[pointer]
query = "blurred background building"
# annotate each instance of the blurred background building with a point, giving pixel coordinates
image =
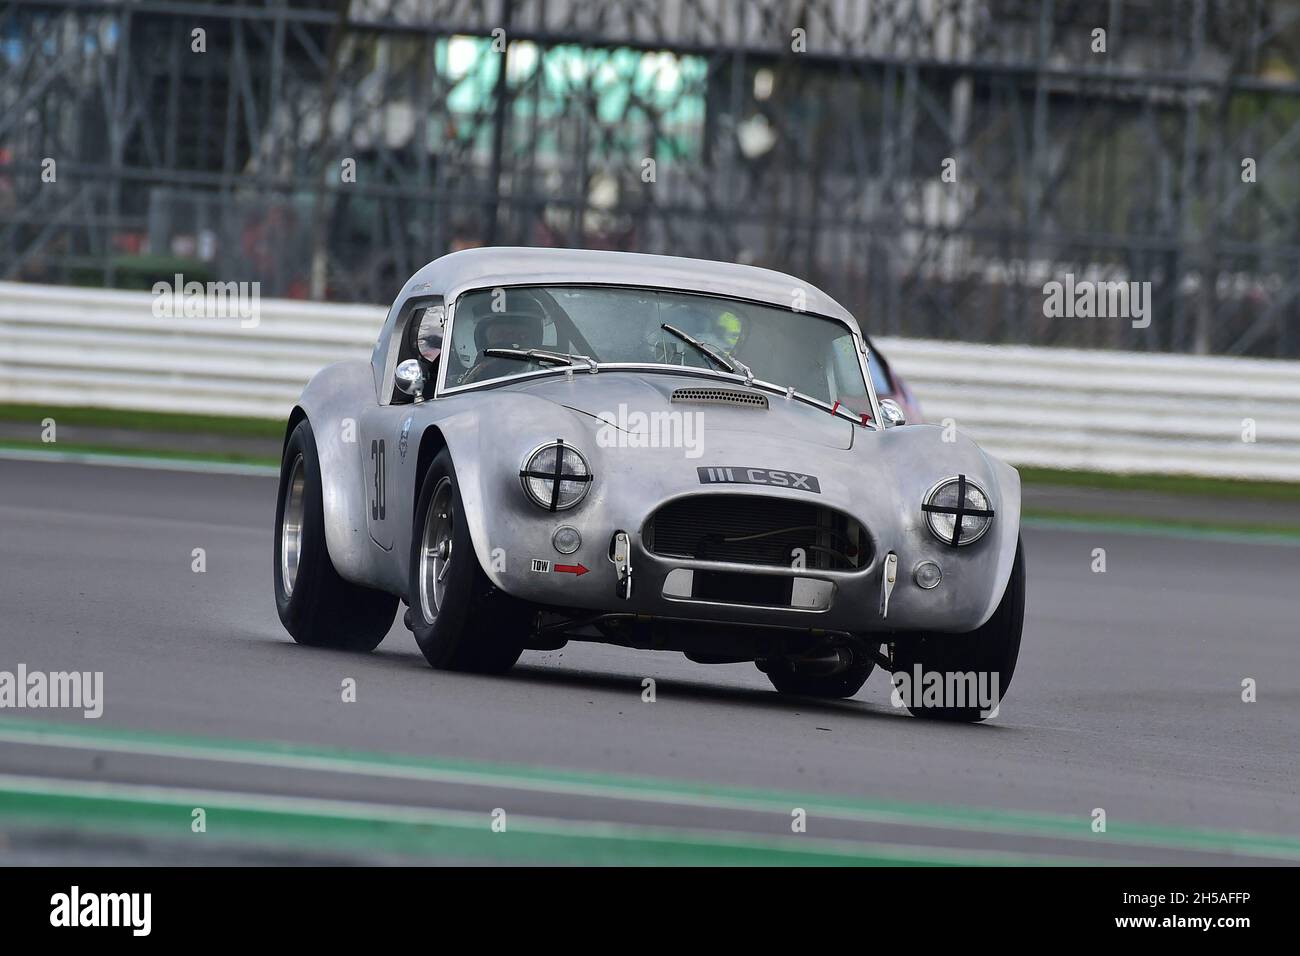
(804, 135)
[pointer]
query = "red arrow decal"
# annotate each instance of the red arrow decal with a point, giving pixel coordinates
(577, 569)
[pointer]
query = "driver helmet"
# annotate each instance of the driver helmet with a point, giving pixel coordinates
(519, 326)
(710, 323)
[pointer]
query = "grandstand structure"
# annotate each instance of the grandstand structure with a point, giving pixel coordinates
(931, 163)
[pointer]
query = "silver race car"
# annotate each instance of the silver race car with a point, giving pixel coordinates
(662, 453)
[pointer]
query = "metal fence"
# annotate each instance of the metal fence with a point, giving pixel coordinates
(1061, 408)
(328, 149)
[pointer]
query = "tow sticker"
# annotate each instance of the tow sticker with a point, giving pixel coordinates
(542, 566)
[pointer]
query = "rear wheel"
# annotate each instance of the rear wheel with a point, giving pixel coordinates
(460, 621)
(989, 653)
(316, 606)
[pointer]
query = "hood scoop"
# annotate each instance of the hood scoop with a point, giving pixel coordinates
(719, 396)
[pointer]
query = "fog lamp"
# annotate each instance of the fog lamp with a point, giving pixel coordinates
(566, 539)
(927, 575)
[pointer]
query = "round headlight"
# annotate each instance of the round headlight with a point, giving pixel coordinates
(555, 476)
(957, 511)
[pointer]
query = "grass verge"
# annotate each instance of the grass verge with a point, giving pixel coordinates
(1164, 484)
(1288, 533)
(118, 451)
(144, 421)
(163, 422)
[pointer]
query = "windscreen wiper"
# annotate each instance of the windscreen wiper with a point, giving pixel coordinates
(728, 362)
(542, 357)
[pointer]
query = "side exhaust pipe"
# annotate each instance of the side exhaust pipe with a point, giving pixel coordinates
(831, 661)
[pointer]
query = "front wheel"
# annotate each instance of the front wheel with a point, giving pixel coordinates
(963, 677)
(316, 606)
(460, 621)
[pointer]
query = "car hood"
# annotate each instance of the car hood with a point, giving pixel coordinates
(628, 401)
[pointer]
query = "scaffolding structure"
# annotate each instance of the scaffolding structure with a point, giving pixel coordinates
(931, 163)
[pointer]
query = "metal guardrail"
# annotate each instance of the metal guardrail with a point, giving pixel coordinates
(1061, 408)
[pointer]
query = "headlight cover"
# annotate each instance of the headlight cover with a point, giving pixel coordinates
(555, 476)
(957, 511)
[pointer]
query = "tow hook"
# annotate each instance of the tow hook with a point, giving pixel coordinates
(620, 552)
(888, 575)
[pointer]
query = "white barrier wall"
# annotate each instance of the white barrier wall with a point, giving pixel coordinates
(1060, 408)
(1112, 411)
(106, 348)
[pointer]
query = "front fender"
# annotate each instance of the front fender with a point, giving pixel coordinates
(487, 443)
(905, 463)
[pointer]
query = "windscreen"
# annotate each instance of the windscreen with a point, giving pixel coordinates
(814, 355)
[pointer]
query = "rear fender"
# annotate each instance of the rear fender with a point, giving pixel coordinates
(332, 403)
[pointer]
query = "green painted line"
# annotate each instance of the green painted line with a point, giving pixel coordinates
(447, 835)
(647, 789)
(1235, 534)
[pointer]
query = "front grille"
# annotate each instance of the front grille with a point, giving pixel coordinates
(719, 396)
(751, 529)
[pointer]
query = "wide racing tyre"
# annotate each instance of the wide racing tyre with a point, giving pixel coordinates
(318, 607)
(991, 649)
(460, 621)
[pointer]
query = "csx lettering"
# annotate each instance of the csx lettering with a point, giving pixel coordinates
(783, 478)
(776, 478)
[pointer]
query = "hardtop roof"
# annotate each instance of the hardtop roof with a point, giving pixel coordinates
(492, 266)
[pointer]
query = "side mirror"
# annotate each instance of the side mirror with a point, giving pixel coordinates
(890, 411)
(409, 378)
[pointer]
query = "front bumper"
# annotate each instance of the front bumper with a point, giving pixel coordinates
(745, 594)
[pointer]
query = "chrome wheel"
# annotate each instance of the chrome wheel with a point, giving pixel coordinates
(291, 525)
(435, 550)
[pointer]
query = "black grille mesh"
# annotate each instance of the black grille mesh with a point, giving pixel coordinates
(720, 396)
(749, 529)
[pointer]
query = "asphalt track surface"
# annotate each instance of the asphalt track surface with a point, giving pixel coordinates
(1127, 698)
